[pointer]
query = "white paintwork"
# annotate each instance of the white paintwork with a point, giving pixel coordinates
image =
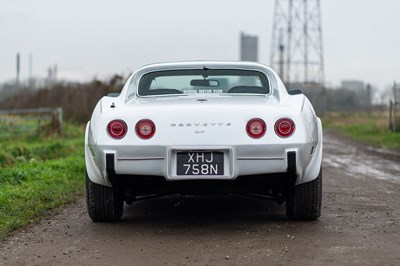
(226, 117)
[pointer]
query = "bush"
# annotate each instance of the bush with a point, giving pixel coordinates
(76, 100)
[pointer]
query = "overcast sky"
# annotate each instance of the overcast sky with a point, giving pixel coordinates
(97, 38)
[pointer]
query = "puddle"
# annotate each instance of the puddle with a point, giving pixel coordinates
(360, 163)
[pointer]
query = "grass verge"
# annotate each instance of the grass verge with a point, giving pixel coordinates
(38, 175)
(368, 128)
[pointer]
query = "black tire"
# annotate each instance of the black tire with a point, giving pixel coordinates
(104, 204)
(304, 201)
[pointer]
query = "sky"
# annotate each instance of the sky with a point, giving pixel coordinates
(96, 38)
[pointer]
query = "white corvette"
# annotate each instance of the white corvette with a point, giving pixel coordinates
(204, 127)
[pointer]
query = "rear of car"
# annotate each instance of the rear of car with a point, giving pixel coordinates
(203, 127)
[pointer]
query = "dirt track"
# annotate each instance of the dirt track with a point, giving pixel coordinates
(360, 224)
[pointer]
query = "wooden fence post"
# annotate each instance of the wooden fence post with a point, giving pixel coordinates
(391, 122)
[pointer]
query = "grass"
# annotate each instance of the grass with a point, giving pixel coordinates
(39, 174)
(39, 149)
(371, 129)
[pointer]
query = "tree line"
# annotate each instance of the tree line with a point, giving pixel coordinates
(76, 99)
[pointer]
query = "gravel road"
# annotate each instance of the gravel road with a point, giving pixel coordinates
(360, 225)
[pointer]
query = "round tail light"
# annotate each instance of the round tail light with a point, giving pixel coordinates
(284, 127)
(145, 129)
(117, 129)
(256, 128)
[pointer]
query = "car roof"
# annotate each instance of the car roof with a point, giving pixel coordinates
(204, 64)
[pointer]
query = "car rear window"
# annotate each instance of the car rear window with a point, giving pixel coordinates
(203, 81)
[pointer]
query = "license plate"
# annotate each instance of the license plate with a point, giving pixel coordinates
(200, 163)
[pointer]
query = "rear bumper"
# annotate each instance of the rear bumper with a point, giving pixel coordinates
(273, 186)
(106, 165)
(110, 166)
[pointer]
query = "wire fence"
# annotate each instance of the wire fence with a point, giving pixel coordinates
(30, 122)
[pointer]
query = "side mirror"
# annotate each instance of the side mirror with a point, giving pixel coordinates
(113, 94)
(295, 92)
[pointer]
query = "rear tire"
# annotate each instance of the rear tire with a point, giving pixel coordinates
(304, 201)
(104, 204)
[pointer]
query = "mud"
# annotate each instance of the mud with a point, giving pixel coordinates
(359, 224)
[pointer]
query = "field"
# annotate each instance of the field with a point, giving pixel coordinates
(369, 128)
(38, 174)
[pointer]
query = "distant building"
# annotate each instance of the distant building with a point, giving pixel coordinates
(248, 47)
(362, 93)
(52, 75)
(353, 85)
(396, 92)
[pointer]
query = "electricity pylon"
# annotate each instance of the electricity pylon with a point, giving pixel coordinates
(296, 45)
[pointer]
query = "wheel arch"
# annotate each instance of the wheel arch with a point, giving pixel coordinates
(314, 167)
(94, 173)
